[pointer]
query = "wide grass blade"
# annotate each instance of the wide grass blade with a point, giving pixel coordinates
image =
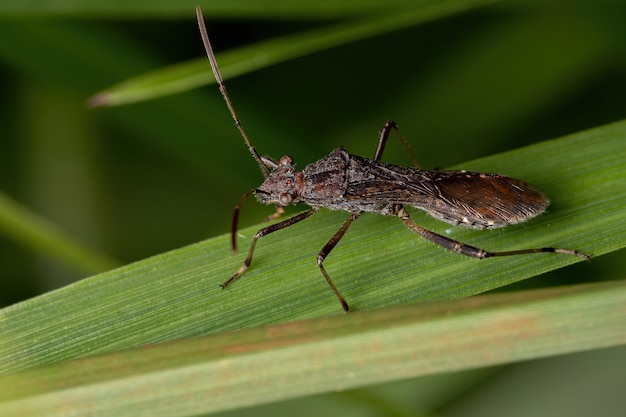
(378, 263)
(261, 365)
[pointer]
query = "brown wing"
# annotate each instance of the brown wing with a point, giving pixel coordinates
(481, 200)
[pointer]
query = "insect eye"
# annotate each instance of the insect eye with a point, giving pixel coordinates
(285, 160)
(284, 199)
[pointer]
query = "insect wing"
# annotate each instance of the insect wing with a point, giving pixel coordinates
(483, 201)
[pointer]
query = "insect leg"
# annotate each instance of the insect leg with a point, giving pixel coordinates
(266, 231)
(270, 164)
(382, 141)
(464, 249)
(326, 250)
(233, 230)
(280, 210)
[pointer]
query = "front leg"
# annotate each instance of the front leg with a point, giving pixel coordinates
(266, 231)
(270, 164)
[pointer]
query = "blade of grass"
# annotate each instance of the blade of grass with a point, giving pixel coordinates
(192, 74)
(256, 366)
(240, 8)
(32, 230)
(379, 263)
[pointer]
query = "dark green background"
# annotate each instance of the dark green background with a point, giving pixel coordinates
(142, 179)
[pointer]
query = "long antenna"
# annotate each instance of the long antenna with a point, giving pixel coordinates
(220, 83)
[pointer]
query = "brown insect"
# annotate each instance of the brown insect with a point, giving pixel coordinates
(355, 184)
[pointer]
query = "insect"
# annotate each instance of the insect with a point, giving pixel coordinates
(355, 184)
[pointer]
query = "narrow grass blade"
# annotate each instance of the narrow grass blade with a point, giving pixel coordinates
(33, 231)
(241, 8)
(185, 76)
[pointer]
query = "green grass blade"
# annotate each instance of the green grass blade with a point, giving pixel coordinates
(257, 366)
(32, 230)
(241, 8)
(378, 263)
(192, 74)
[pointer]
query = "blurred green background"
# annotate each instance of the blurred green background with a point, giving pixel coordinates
(132, 181)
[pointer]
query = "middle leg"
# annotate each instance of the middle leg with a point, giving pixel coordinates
(326, 250)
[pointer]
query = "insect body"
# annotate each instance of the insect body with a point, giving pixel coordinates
(355, 184)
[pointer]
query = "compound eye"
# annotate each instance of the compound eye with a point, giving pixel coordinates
(285, 160)
(284, 199)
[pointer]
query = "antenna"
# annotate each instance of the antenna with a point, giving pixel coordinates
(220, 82)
